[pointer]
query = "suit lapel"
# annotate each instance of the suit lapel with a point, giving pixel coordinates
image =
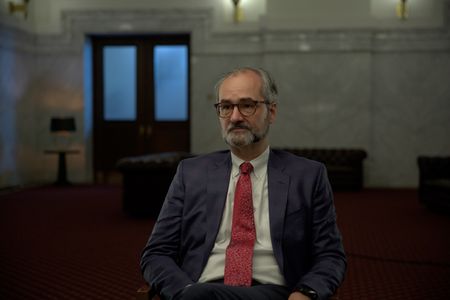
(217, 188)
(278, 183)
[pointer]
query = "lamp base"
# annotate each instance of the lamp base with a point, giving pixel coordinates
(62, 165)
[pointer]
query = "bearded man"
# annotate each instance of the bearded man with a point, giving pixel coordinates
(250, 222)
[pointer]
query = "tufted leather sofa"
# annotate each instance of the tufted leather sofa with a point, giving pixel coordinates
(434, 182)
(344, 166)
(146, 178)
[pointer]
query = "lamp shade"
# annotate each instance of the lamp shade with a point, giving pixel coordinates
(62, 124)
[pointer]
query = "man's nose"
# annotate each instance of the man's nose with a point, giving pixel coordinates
(236, 115)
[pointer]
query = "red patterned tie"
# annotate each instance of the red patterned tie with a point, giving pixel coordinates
(239, 253)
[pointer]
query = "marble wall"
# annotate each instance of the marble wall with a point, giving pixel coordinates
(17, 118)
(384, 91)
(410, 114)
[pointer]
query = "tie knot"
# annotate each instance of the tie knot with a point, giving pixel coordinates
(246, 167)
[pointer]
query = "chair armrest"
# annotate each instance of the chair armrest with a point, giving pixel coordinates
(145, 292)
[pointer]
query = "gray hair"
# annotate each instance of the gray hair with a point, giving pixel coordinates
(269, 89)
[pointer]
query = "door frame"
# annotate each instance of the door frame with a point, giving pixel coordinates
(145, 44)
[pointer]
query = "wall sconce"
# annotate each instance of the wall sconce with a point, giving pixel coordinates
(238, 14)
(402, 10)
(19, 7)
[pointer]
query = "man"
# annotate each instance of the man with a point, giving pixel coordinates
(250, 223)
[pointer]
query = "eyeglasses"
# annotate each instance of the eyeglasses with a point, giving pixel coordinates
(246, 107)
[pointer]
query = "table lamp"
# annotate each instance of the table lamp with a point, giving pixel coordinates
(62, 125)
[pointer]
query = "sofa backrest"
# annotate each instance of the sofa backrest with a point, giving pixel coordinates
(433, 167)
(331, 156)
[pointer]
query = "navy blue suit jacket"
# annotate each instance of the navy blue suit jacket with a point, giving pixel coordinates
(306, 241)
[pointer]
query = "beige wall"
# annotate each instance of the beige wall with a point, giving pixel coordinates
(384, 90)
(45, 16)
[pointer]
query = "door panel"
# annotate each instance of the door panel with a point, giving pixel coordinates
(141, 97)
(119, 83)
(171, 74)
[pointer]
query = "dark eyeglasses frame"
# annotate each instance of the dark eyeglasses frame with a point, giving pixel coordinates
(233, 105)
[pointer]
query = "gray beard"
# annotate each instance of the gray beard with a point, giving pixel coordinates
(241, 140)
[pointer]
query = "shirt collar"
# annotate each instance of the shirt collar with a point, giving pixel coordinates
(259, 164)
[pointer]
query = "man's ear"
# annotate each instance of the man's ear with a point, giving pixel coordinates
(273, 109)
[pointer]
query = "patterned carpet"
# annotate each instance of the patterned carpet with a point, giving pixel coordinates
(69, 243)
(396, 248)
(75, 243)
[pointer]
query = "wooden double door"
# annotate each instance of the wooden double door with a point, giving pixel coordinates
(141, 97)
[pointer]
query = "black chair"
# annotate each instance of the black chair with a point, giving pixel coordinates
(434, 182)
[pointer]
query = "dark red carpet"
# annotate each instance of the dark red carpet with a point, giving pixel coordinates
(69, 243)
(396, 248)
(75, 243)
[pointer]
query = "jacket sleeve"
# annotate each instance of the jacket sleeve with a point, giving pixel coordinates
(160, 257)
(328, 257)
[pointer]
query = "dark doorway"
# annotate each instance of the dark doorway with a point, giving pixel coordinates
(141, 97)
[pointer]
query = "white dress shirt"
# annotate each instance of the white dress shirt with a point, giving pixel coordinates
(265, 267)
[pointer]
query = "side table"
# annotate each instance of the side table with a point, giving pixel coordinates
(62, 169)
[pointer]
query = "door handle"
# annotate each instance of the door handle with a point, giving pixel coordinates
(145, 130)
(141, 130)
(149, 130)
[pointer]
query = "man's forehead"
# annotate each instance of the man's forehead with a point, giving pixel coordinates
(241, 81)
(249, 73)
